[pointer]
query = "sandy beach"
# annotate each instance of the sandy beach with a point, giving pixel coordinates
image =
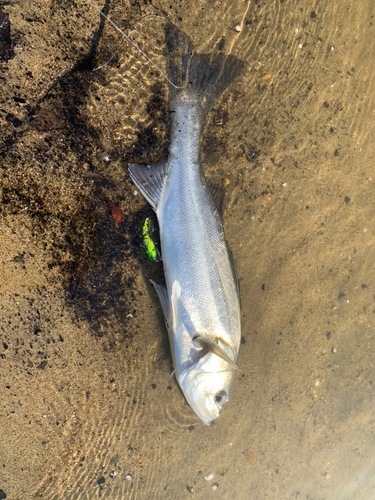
(89, 407)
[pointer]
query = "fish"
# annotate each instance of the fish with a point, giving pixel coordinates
(201, 300)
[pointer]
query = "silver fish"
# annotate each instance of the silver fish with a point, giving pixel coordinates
(201, 303)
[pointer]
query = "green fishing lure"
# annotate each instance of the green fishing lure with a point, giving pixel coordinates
(149, 245)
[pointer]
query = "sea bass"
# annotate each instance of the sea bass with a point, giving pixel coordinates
(201, 302)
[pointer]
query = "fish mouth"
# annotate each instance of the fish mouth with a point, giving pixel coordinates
(206, 401)
(207, 410)
(220, 399)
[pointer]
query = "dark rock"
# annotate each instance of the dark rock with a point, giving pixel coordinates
(12, 119)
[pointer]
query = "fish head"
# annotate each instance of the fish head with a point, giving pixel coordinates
(205, 385)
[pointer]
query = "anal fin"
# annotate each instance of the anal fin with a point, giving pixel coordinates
(149, 180)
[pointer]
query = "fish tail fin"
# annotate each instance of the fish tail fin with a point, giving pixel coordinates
(202, 75)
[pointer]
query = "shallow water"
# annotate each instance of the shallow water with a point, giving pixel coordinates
(89, 408)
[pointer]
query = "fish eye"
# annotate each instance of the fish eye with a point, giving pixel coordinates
(220, 396)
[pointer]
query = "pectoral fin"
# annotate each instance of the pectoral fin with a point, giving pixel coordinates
(175, 297)
(209, 343)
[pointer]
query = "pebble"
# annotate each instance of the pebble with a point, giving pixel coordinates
(209, 476)
(334, 350)
(300, 45)
(106, 159)
(317, 383)
(237, 28)
(113, 473)
(128, 477)
(135, 193)
(252, 217)
(225, 181)
(215, 486)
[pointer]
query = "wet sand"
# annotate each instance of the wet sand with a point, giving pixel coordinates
(88, 405)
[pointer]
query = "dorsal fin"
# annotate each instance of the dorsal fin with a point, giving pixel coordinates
(217, 196)
(234, 269)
